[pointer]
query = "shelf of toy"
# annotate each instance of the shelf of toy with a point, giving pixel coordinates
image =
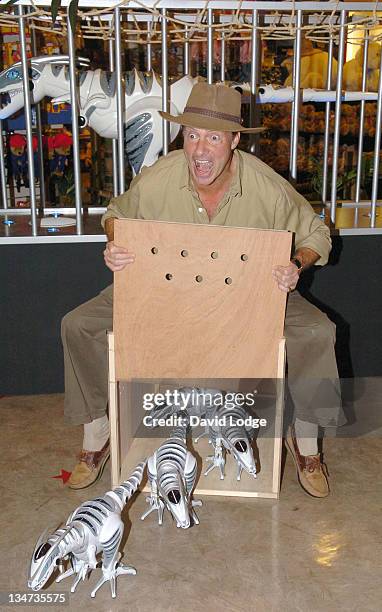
(18, 123)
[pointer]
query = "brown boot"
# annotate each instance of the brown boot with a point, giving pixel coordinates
(312, 474)
(90, 467)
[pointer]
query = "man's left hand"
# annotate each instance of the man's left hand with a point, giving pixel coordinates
(286, 277)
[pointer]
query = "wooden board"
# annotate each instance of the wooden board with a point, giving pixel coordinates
(199, 301)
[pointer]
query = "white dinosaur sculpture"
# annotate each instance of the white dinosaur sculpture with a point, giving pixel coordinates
(49, 76)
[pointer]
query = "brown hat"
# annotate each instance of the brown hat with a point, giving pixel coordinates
(212, 107)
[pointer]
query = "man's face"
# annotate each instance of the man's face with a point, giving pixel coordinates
(208, 153)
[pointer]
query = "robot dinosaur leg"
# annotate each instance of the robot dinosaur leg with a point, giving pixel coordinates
(155, 503)
(80, 568)
(217, 459)
(111, 569)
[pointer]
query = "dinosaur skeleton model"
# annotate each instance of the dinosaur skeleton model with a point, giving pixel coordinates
(226, 433)
(172, 474)
(94, 527)
(97, 100)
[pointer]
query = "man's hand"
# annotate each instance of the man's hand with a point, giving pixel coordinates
(286, 276)
(116, 258)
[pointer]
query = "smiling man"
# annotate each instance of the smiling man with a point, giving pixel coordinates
(211, 181)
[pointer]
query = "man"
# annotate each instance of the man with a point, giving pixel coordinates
(211, 181)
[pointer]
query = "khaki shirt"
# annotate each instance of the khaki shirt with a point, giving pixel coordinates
(258, 197)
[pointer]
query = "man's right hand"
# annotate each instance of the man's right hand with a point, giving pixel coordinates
(116, 258)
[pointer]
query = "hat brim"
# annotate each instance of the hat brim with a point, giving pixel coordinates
(209, 123)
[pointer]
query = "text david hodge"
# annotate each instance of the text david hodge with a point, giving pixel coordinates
(196, 421)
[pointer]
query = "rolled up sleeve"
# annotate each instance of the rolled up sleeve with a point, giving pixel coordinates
(295, 214)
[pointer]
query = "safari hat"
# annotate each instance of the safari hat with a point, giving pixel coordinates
(212, 107)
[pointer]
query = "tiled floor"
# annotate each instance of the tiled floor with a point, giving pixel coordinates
(295, 554)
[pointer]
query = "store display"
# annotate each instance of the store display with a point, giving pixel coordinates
(94, 527)
(352, 71)
(98, 102)
(314, 67)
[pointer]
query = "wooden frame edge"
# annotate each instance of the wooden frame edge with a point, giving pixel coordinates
(113, 415)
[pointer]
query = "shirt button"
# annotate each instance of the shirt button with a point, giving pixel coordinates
(200, 209)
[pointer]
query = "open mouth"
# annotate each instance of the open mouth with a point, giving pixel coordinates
(6, 96)
(203, 167)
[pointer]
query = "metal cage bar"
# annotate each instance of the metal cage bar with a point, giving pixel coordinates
(114, 141)
(75, 129)
(28, 120)
(186, 52)
(210, 46)
(361, 119)
(120, 100)
(327, 125)
(40, 150)
(337, 119)
(296, 98)
(2, 170)
(165, 87)
(377, 147)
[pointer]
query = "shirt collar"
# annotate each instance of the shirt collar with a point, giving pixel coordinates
(235, 189)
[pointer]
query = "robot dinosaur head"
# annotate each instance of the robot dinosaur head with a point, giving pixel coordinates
(39, 70)
(174, 495)
(241, 449)
(44, 560)
(12, 89)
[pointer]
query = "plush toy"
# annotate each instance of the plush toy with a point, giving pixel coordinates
(352, 75)
(60, 146)
(17, 168)
(314, 67)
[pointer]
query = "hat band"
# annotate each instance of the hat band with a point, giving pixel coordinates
(210, 113)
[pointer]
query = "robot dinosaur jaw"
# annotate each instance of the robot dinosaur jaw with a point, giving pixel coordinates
(44, 559)
(12, 87)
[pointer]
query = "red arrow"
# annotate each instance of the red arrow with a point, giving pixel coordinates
(64, 476)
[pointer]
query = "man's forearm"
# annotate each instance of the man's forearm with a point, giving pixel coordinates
(109, 229)
(306, 256)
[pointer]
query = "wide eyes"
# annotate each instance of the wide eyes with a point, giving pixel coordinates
(12, 74)
(212, 138)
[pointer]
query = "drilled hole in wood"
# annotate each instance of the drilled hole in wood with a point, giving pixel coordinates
(184, 253)
(168, 276)
(199, 278)
(244, 257)
(214, 254)
(154, 250)
(228, 280)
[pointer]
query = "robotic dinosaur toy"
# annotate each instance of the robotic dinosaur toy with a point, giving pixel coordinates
(94, 527)
(232, 437)
(172, 472)
(97, 99)
(229, 437)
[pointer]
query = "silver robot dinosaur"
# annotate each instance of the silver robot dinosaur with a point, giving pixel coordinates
(94, 527)
(97, 99)
(229, 436)
(172, 472)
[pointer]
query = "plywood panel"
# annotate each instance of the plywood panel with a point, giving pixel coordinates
(199, 301)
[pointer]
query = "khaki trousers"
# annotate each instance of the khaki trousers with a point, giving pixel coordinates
(310, 338)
